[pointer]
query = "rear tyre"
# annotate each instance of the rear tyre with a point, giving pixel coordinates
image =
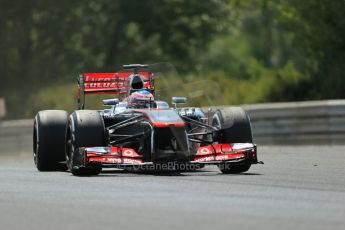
(234, 126)
(49, 140)
(85, 129)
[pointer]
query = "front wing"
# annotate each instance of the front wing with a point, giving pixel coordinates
(116, 157)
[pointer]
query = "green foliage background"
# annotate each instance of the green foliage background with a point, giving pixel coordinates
(234, 51)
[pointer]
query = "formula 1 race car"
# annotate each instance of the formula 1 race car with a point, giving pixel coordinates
(140, 132)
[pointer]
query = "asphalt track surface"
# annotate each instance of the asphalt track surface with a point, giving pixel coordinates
(299, 187)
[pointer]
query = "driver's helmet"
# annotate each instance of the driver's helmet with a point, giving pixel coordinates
(140, 99)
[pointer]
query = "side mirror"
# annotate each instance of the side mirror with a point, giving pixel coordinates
(178, 100)
(111, 102)
(162, 105)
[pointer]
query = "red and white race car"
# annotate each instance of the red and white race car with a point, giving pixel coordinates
(139, 132)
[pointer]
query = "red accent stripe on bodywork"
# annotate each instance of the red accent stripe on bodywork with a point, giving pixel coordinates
(161, 124)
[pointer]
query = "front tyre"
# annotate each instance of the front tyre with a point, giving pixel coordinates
(85, 129)
(234, 126)
(227, 168)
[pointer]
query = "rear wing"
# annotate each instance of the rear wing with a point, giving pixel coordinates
(117, 83)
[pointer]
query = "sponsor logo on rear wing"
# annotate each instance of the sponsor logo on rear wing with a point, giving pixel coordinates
(113, 82)
(107, 83)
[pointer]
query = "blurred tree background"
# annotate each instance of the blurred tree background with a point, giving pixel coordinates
(254, 50)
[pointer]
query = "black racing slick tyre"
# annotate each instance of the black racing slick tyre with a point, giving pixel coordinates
(49, 140)
(234, 126)
(85, 129)
(227, 168)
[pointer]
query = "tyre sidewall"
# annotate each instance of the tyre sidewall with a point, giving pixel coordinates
(86, 129)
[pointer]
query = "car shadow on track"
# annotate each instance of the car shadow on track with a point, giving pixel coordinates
(203, 172)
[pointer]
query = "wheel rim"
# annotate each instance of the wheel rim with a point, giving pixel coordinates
(69, 147)
(217, 124)
(216, 121)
